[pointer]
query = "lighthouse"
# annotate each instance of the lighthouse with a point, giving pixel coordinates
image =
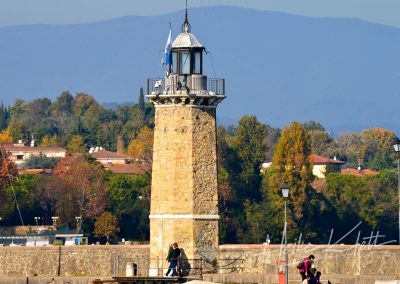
(184, 189)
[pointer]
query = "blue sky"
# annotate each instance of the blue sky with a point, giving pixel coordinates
(16, 12)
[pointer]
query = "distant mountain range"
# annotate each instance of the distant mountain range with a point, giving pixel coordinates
(343, 73)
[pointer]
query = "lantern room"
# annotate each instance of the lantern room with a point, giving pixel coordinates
(184, 76)
(186, 53)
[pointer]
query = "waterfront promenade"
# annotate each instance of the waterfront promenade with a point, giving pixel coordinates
(357, 264)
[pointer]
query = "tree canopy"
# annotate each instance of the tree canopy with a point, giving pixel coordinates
(250, 201)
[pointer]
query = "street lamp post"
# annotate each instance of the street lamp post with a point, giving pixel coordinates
(396, 147)
(285, 193)
(54, 218)
(78, 223)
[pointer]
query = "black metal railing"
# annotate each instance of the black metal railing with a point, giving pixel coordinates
(191, 84)
(200, 266)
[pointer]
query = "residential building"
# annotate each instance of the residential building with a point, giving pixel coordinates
(108, 158)
(323, 165)
(19, 152)
(118, 163)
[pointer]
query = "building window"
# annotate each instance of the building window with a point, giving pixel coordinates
(185, 61)
(174, 62)
(197, 62)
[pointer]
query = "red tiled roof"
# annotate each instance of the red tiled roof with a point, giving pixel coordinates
(128, 168)
(35, 171)
(358, 173)
(20, 147)
(104, 154)
(320, 160)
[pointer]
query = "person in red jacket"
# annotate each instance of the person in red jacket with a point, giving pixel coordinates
(305, 269)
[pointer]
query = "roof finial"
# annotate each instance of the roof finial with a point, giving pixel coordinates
(186, 25)
(186, 12)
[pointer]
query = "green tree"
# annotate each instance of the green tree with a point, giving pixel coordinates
(37, 110)
(108, 134)
(63, 116)
(349, 149)
(141, 100)
(40, 162)
(129, 195)
(250, 146)
(5, 115)
(76, 144)
(21, 200)
(106, 226)
(321, 143)
(228, 170)
(17, 109)
(48, 193)
(370, 200)
(313, 126)
(63, 105)
(18, 130)
(270, 141)
(49, 141)
(377, 148)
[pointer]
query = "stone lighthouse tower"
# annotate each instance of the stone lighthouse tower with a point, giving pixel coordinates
(184, 195)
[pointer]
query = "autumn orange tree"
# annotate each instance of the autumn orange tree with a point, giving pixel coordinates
(8, 170)
(82, 187)
(8, 174)
(141, 148)
(377, 148)
(291, 164)
(5, 136)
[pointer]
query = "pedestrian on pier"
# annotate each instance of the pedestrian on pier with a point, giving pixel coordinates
(173, 259)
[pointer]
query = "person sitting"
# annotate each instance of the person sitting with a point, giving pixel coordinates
(316, 278)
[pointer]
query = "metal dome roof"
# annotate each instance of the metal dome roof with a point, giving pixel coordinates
(186, 40)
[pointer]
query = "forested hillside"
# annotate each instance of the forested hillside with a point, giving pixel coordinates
(342, 72)
(250, 202)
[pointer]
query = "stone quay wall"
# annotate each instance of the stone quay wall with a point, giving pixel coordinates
(85, 260)
(358, 264)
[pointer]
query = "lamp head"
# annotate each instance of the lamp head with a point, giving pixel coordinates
(396, 145)
(285, 190)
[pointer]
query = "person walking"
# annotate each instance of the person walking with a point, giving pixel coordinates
(173, 261)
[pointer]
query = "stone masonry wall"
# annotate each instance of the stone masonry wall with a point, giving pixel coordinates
(184, 194)
(90, 260)
(340, 263)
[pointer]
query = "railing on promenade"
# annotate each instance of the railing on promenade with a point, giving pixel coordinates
(185, 267)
